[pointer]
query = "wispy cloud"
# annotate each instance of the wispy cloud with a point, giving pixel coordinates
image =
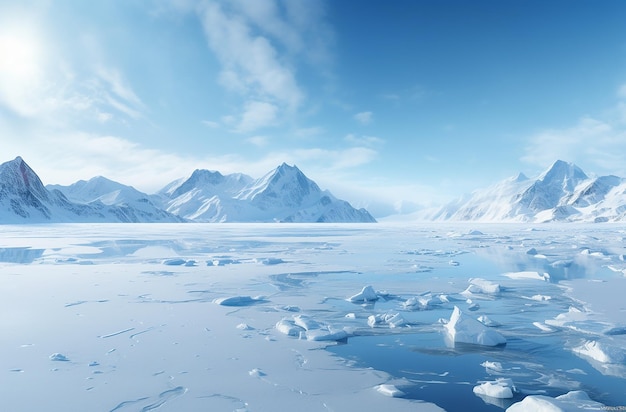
(259, 141)
(256, 115)
(364, 117)
(363, 140)
(257, 44)
(591, 142)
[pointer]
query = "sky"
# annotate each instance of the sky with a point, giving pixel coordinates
(391, 105)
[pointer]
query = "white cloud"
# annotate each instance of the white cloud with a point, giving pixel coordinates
(256, 115)
(251, 64)
(309, 131)
(118, 85)
(259, 44)
(594, 143)
(364, 117)
(258, 141)
(211, 124)
(363, 140)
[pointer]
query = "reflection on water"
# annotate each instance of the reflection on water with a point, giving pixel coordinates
(20, 254)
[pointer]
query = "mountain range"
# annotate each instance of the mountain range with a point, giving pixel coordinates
(563, 192)
(282, 195)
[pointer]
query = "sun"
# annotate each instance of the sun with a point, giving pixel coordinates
(20, 54)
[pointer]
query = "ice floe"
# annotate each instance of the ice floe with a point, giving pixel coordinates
(466, 330)
(527, 275)
(393, 320)
(367, 294)
(492, 366)
(422, 302)
(239, 300)
(59, 357)
(390, 390)
(570, 402)
(501, 388)
(482, 286)
(600, 351)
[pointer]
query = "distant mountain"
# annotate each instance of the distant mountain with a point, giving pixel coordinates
(283, 195)
(562, 193)
(24, 199)
(135, 206)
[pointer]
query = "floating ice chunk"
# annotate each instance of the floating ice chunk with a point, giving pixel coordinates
(420, 302)
(58, 357)
(367, 294)
(288, 327)
(541, 298)
(492, 366)
(478, 285)
(350, 315)
(326, 333)
(453, 263)
(305, 322)
(244, 326)
(463, 329)
(543, 327)
(531, 251)
(527, 275)
(472, 305)
(600, 351)
(390, 390)
(571, 401)
(257, 373)
(393, 320)
(239, 300)
(501, 388)
(485, 320)
(475, 233)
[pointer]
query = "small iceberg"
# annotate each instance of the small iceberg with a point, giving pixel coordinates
(466, 330)
(393, 320)
(367, 294)
(239, 300)
(501, 388)
(482, 286)
(600, 352)
(58, 357)
(571, 401)
(390, 390)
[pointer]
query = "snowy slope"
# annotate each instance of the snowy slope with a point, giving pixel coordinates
(24, 199)
(136, 205)
(283, 195)
(562, 193)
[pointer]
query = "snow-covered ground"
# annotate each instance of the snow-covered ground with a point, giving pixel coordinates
(311, 317)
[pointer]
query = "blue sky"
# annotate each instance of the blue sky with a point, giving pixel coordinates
(389, 104)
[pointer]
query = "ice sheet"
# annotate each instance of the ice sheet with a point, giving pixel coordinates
(269, 320)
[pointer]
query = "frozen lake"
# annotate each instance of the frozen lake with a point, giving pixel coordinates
(258, 317)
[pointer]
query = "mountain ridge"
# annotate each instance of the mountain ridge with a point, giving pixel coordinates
(563, 192)
(282, 195)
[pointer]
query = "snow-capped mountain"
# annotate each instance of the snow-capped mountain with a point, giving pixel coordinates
(283, 195)
(562, 193)
(24, 199)
(136, 205)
